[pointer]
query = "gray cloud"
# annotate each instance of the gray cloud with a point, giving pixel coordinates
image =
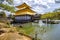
(37, 5)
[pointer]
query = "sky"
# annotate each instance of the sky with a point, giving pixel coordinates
(40, 6)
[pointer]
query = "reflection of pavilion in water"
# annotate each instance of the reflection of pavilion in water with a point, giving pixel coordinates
(25, 14)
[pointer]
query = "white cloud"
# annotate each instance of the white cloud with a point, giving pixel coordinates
(39, 4)
(51, 1)
(30, 2)
(17, 2)
(38, 9)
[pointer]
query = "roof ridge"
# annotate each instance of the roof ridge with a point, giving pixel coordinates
(23, 5)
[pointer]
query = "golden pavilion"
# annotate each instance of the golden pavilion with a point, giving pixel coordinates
(24, 9)
(25, 14)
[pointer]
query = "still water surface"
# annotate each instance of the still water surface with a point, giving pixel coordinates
(47, 31)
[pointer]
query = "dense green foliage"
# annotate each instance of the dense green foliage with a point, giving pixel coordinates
(2, 14)
(55, 15)
(7, 7)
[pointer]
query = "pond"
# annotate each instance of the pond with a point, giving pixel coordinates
(47, 31)
(43, 31)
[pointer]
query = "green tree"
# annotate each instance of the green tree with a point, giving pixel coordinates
(2, 14)
(51, 15)
(11, 16)
(7, 7)
(47, 15)
(55, 15)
